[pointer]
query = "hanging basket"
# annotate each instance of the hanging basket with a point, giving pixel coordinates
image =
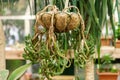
(74, 19)
(43, 17)
(62, 20)
(44, 47)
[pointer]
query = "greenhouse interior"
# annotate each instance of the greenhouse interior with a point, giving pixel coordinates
(59, 39)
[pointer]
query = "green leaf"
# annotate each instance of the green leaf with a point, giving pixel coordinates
(118, 9)
(19, 72)
(94, 12)
(104, 11)
(4, 74)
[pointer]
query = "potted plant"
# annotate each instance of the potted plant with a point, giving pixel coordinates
(118, 37)
(107, 70)
(106, 37)
(106, 41)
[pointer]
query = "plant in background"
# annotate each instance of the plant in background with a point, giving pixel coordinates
(107, 65)
(94, 13)
(107, 70)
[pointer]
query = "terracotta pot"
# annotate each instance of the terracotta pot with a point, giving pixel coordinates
(106, 41)
(107, 75)
(117, 44)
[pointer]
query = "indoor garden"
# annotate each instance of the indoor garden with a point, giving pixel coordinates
(59, 39)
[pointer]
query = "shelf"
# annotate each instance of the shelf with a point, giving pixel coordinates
(63, 77)
(15, 53)
(114, 52)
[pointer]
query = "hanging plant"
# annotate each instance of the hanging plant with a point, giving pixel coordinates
(44, 47)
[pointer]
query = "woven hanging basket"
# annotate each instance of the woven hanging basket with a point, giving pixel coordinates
(62, 21)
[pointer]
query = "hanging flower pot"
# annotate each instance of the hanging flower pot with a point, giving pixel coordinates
(65, 21)
(74, 22)
(74, 19)
(62, 20)
(44, 18)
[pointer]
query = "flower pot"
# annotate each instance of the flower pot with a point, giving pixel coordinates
(117, 44)
(107, 75)
(106, 41)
